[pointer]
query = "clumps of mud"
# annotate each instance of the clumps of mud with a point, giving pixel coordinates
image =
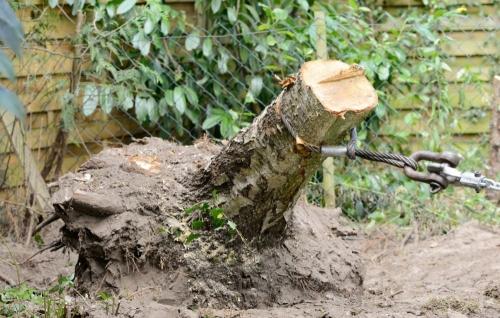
(493, 291)
(444, 304)
(124, 214)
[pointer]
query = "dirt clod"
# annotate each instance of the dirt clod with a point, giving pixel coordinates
(465, 306)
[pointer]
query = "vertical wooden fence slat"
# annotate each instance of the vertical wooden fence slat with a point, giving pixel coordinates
(495, 137)
(328, 166)
(16, 135)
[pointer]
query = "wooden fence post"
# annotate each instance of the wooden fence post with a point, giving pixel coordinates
(328, 167)
(32, 175)
(495, 137)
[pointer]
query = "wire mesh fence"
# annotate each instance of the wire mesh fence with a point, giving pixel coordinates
(212, 80)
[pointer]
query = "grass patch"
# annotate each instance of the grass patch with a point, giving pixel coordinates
(23, 300)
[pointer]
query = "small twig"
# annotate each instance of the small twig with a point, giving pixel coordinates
(45, 222)
(54, 246)
(117, 308)
(394, 294)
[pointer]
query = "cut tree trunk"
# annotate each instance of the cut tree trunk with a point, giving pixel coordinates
(260, 172)
(125, 209)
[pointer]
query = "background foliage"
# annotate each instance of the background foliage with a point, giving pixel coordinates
(184, 79)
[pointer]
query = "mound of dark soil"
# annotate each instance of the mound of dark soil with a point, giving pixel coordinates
(134, 237)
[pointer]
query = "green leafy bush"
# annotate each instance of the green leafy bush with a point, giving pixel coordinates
(215, 76)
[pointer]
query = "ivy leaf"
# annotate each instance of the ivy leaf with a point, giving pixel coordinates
(215, 4)
(152, 109)
(169, 97)
(192, 41)
(142, 43)
(179, 99)
(256, 86)
(164, 26)
(53, 3)
(125, 6)
(227, 127)
(271, 41)
(141, 109)
(90, 99)
(191, 95)
(194, 115)
(211, 121)
(162, 107)
(232, 15)
(106, 99)
(11, 103)
(111, 10)
(383, 72)
(222, 62)
(280, 14)
(148, 26)
(128, 101)
(207, 47)
(304, 4)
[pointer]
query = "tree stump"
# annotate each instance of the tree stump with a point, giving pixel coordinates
(218, 226)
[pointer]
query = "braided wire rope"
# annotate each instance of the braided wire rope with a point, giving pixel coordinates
(396, 160)
(393, 159)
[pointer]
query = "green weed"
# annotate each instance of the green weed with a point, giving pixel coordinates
(207, 216)
(23, 300)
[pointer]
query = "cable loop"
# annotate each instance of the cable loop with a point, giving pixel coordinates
(392, 159)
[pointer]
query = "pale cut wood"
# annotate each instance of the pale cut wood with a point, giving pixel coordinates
(342, 96)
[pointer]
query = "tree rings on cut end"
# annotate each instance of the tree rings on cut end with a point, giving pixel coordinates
(339, 87)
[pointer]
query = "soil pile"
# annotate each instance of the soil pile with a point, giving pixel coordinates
(137, 241)
(135, 234)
